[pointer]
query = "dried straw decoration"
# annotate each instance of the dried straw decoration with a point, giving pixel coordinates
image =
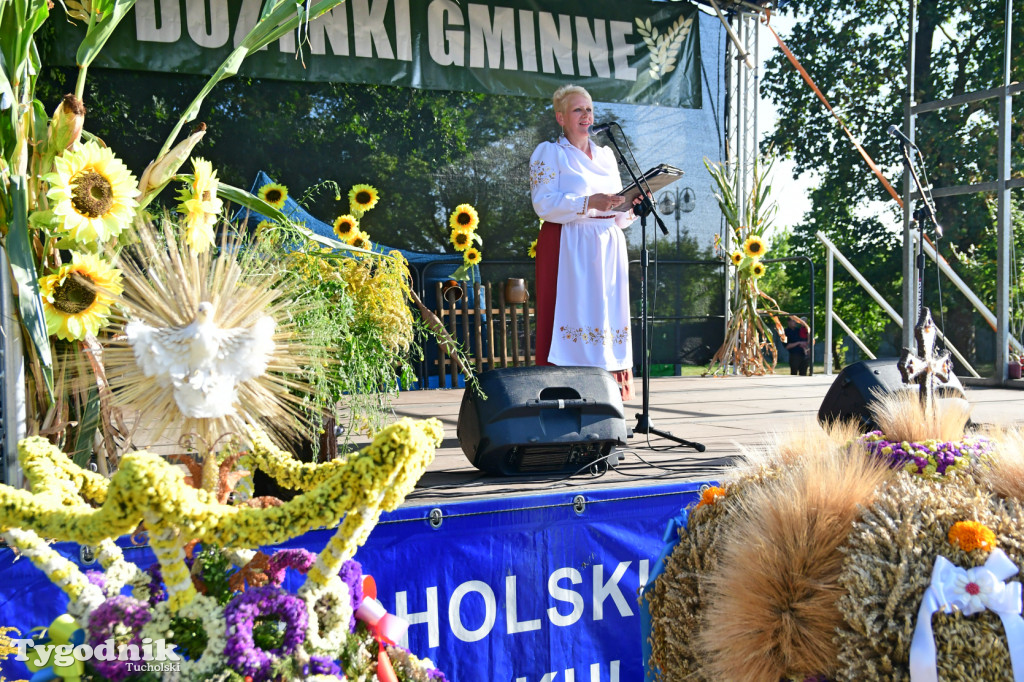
(890, 554)
(685, 603)
(771, 606)
(677, 601)
(816, 559)
(164, 283)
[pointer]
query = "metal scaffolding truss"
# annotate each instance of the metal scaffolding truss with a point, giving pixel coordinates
(742, 22)
(1002, 186)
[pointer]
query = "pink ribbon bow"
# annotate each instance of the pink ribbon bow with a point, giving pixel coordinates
(386, 628)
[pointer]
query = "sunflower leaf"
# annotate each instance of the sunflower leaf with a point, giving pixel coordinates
(461, 273)
(23, 267)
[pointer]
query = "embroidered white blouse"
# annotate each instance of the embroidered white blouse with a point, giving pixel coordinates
(592, 326)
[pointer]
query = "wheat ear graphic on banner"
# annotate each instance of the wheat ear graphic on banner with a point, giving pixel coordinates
(664, 47)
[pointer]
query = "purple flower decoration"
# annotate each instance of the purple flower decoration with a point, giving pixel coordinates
(123, 610)
(157, 593)
(352, 574)
(917, 457)
(299, 559)
(321, 665)
(97, 578)
(241, 615)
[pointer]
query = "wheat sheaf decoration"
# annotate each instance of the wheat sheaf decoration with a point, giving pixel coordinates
(664, 47)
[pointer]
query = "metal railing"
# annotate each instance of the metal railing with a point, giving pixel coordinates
(832, 254)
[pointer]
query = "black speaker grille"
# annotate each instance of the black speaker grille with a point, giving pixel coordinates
(555, 457)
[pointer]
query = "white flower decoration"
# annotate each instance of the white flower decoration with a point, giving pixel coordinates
(974, 588)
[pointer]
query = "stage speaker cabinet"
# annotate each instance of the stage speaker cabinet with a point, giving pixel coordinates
(855, 388)
(541, 420)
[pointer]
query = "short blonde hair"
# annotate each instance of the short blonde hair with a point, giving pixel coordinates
(565, 92)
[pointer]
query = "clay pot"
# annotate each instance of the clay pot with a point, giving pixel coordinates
(452, 291)
(515, 290)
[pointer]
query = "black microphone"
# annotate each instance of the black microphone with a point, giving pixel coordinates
(601, 128)
(898, 134)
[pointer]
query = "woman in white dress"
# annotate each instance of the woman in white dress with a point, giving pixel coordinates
(582, 286)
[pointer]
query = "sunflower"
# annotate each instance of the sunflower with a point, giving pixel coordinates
(200, 204)
(361, 198)
(77, 298)
(533, 249)
(264, 225)
(92, 193)
(464, 217)
(754, 247)
(471, 256)
(274, 194)
(736, 256)
(346, 226)
(757, 269)
(461, 239)
(361, 241)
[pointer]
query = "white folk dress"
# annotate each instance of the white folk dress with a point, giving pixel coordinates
(591, 323)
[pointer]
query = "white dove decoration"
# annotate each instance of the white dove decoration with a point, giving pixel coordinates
(201, 362)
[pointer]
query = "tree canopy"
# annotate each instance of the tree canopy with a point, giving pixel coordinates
(856, 52)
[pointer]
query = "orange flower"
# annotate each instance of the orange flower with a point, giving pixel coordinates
(971, 535)
(710, 495)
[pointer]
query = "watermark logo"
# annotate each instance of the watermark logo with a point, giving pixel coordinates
(153, 655)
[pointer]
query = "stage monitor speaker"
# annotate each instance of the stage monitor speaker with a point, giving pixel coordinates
(541, 419)
(855, 387)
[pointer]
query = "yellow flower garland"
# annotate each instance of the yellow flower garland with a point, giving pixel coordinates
(146, 488)
(39, 458)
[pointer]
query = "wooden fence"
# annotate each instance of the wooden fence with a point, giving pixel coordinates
(492, 331)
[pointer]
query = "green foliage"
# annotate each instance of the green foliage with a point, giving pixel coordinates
(856, 54)
(189, 635)
(355, 311)
(214, 572)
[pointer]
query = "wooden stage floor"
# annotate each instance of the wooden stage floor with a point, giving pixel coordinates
(725, 414)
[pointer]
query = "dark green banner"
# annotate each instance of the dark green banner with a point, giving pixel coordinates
(634, 52)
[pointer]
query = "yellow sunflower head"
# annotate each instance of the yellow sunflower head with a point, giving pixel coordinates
(461, 239)
(200, 205)
(361, 241)
(92, 193)
(274, 194)
(754, 246)
(361, 198)
(471, 256)
(757, 269)
(464, 217)
(264, 225)
(533, 249)
(77, 298)
(736, 256)
(346, 226)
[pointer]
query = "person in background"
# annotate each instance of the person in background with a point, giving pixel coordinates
(581, 267)
(798, 346)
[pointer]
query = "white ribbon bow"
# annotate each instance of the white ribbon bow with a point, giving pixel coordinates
(970, 590)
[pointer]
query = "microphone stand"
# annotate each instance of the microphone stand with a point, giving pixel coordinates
(926, 211)
(645, 207)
